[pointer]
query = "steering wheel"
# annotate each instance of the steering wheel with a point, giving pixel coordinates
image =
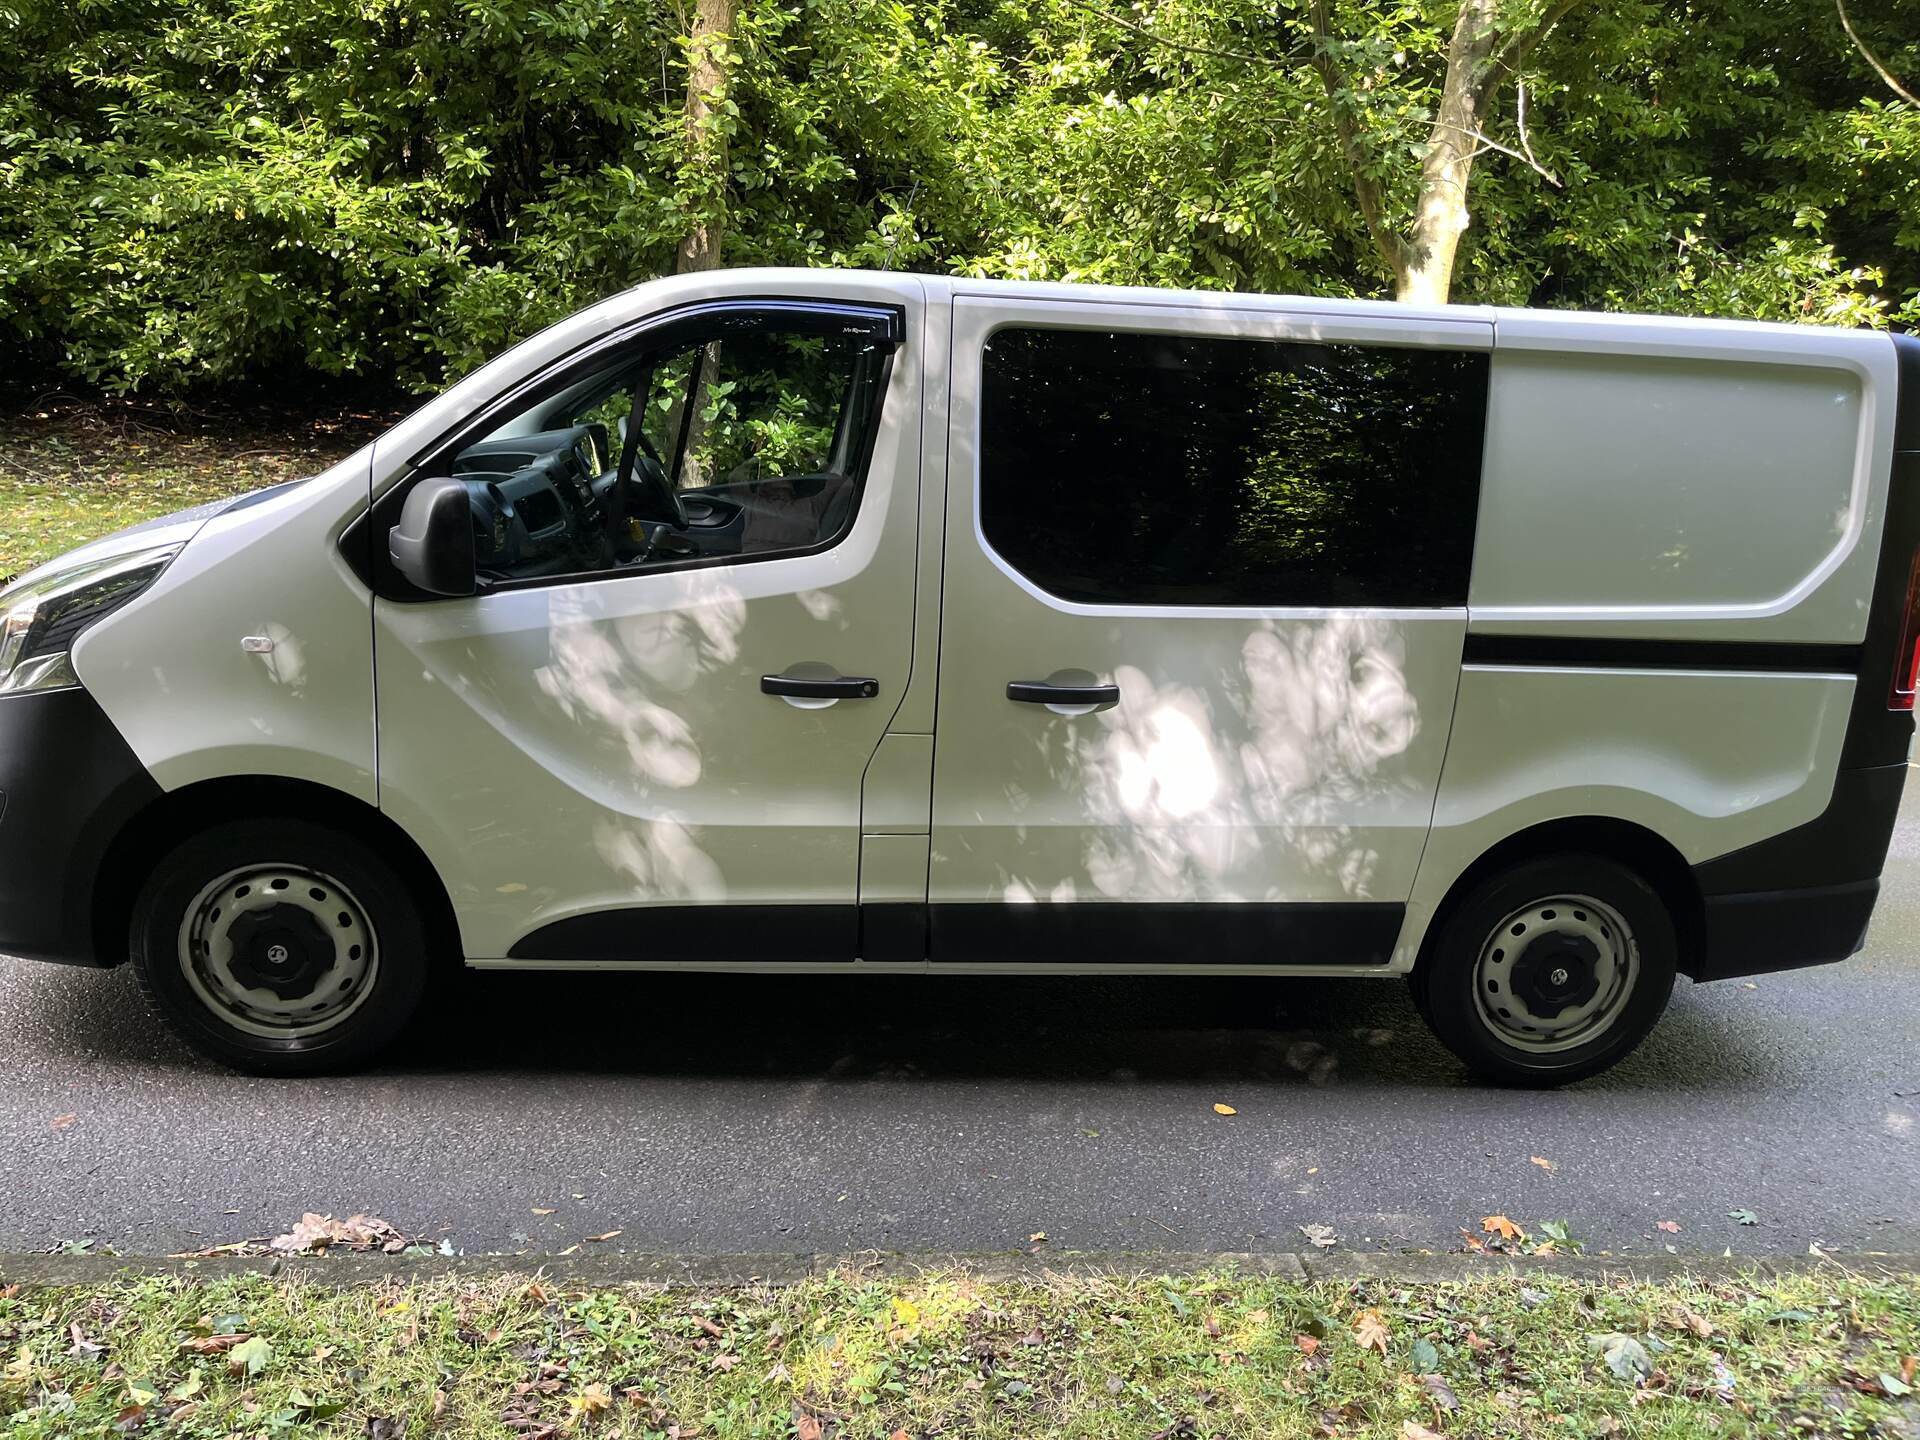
(651, 471)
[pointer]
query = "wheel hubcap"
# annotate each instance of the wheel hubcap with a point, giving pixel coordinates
(278, 950)
(1556, 973)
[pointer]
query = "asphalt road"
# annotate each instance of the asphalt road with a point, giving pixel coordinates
(749, 1115)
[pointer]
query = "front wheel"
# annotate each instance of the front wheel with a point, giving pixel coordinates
(280, 947)
(1550, 971)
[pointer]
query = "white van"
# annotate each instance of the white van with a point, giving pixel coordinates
(803, 620)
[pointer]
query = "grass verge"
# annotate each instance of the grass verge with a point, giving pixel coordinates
(948, 1353)
(72, 470)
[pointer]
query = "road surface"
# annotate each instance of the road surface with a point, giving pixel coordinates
(747, 1115)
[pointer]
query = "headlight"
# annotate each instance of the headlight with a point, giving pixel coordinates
(42, 616)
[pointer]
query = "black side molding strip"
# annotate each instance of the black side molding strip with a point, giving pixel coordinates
(1351, 932)
(1600, 653)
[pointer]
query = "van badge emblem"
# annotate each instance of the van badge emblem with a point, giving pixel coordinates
(257, 644)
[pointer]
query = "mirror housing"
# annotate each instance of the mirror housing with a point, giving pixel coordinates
(432, 544)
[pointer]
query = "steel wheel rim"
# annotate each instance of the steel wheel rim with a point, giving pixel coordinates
(1518, 984)
(278, 951)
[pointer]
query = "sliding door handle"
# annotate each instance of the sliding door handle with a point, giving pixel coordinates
(1038, 692)
(840, 687)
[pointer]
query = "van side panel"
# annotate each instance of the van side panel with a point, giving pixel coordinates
(1685, 604)
(1689, 479)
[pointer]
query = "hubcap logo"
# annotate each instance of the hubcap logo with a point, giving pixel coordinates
(1559, 976)
(277, 954)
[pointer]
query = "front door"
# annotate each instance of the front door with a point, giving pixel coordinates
(1203, 610)
(644, 740)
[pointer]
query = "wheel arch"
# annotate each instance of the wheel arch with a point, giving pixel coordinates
(1642, 850)
(137, 849)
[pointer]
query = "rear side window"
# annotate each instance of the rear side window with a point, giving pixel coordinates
(1138, 469)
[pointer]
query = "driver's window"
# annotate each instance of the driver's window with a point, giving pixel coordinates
(750, 407)
(738, 444)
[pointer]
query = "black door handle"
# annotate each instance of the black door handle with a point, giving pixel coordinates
(1038, 692)
(841, 687)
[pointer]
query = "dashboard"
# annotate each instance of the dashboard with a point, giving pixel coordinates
(539, 501)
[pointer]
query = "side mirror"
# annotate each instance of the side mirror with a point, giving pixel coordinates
(432, 545)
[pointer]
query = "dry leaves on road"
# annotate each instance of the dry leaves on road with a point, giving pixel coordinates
(316, 1234)
(1220, 1109)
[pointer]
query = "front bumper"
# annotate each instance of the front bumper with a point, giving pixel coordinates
(68, 786)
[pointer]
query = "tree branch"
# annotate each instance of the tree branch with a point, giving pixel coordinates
(1366, 190)
(1513, 53)
(1157, 38)
(1872, 59)
(1487, 142)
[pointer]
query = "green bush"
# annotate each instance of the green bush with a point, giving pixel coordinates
(202, 192)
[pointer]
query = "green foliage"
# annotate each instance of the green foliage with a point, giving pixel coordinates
(195, 192)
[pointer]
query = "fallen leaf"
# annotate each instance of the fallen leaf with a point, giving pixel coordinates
(250, 1356)
(1501, 1226)
(1442, 1393)
(590, 1401)
(1543, 1164)
(61, 1122)
(1370, 1329)
(1414, 1430)
(1672, 1227)
(724, 1363)
(1309, 1344)
(1323, 1236)
(1745, 1217)
(611, 1234)
(1038, 1237)
(807, 1428)
(1220, 1109)
(900, 1434)
(1625, 1356)
(1698, 1324)
(542, 1210)
(211, 1344)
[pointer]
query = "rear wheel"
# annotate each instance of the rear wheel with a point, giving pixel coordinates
(1549, 971)
(281, 947)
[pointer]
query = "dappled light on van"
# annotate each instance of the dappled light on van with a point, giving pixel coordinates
(1243, 788)
(615, 680)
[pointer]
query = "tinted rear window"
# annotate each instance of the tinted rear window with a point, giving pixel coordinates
(1142, 469)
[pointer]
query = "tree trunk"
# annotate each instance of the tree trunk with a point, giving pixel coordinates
(706, 156)
(1440, 216)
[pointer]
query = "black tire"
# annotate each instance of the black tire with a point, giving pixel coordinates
(1444, 983)
(391, 981)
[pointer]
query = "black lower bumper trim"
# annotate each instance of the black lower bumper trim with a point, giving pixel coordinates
(1768, 930)
(71, 785)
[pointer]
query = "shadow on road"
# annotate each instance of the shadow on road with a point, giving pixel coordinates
(1315, 1031)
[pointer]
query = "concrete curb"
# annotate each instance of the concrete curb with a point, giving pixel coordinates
(720, 1271)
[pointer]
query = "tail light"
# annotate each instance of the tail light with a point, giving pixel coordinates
(1906, 663)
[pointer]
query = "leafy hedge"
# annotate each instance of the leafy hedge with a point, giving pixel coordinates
(208, 191)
